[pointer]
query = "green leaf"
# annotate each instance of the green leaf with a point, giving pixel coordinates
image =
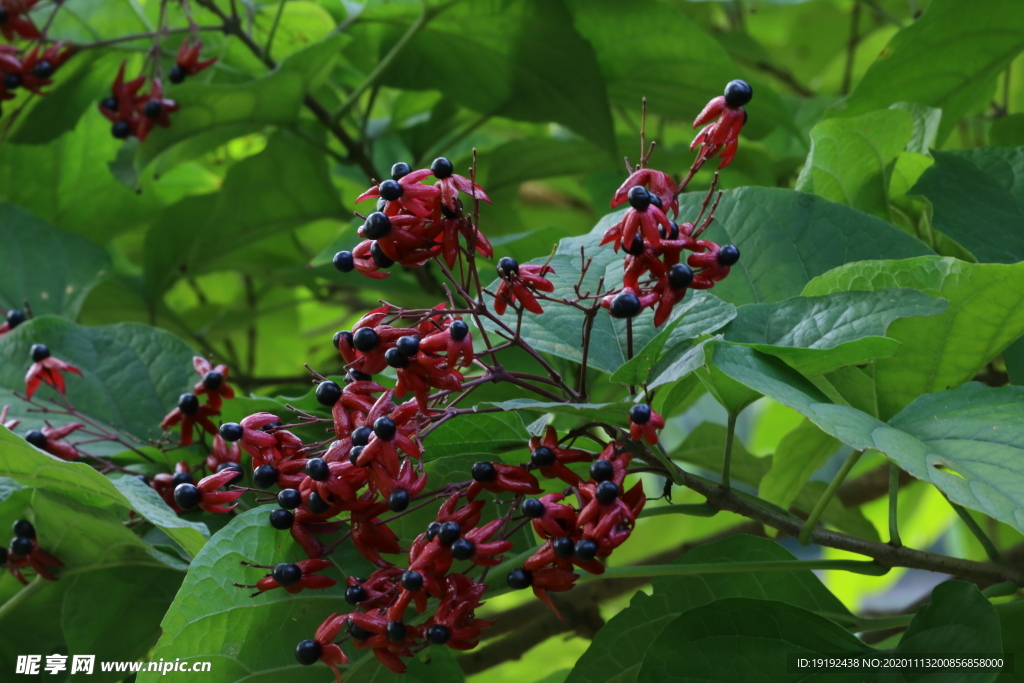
(191, 536)
(787, 238)
(679, 362)
(926, 126)
(611, 413)
(703, 643)
(476, 434)
(947, 59)
(494, 58)
(985, 314)
(799, 455)
(51, 270)
(619, 647)
(959, 620)
(213, 109)
(704, 447)
(819, 334)
(132, 374)
(978, 197)
(517, 161)
(284, 186)
(851, 159)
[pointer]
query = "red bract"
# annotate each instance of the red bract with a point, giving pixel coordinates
(498, 477)
(485, 553)
(188, 62)
(36, 558)
(46, 369)
(37, 68)
(189, 413)
(321, 646)
(722, 134)
(154, 109)
(222, 453)
(120, 107)
(212, 382)
(559, 457)
(8, 424)
(210, 499)
(657, 183)
(17, 24)
(50, 439)
(164, 483)
(644, 423)
(372, 538)
(307, 578)
(408, 193)
(643, 221)
(517, 285)
(558, 519)
(386, 648)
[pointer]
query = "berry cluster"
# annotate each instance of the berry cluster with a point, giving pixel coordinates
(33, 71)
(24, 551)
(190, 411)
(414, 222)
(135, 114)
(14, 20)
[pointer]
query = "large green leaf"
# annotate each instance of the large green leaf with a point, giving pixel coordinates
(786, 238)
(985, 314)
(51, 270)
(819, 334)
(495, 58)
(851, 159)
(150, 506)
(619, 648)
(282, 187)
(798, 456)
(476, 434)
(978, 197)
(611, 413)
(738, 640)
(132, 374)
(948, 59)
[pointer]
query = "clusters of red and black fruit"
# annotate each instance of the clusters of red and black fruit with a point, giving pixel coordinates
(24, 552)
(134, 114)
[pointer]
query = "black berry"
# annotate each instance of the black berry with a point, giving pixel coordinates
(463, 549)
(637, 247)
(14, 318)
(24, 529)
(738, 93)
(36, 438)
(639, 197)
(507, 267)
(519, 579)
(231, 466)
(365, 339)
(395, 358)
(187, 496)
(543, 457)
(442, 168)
(12, 81)
(625, 305)
(358, 632)
(287, 574)
(458, 330)
(728, 255)
(672, 234)
(109, 103)
(342, 336)
(21, 546)
(532, 508)
(400, 170)
(345, 262)
(655, 199)
(353, 456)
(316, 504)
(213, 380)
(381, 259)
(640, 414)
(152, 109)
(177, 74)
(39, 353)
(398, 500)
(328, 393)
(390, 190)
(281, 519)
(586, 549)
(449, 533)
(43, 69)
(377, 225)
(308, 652)
(384, 428)
(408, 345)
(411, 580)
(564, 547)
(484, 472)
(396, 631)
(361, 436)
(181, 478)
(355, 595)
(607, 492)
(680, 276)
(438, 634)
(318, 470)
(231, 431)
(264, 476)
(188, 404)
(121, 130)
(289, 499)
(602, 470)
